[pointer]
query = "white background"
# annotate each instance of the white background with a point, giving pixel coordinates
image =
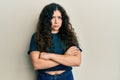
(96, 22)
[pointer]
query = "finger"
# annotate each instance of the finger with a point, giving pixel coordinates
(72, 48)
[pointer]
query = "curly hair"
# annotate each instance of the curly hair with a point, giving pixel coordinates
(43, 32)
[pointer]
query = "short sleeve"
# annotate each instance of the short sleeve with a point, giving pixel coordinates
(33, 45)
(79, 47)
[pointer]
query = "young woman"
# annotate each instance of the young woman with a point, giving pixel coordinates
(54, 48)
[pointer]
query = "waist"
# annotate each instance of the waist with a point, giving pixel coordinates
(56, 68)
(55, 72)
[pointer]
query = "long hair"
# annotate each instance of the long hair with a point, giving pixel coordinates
(43, 32)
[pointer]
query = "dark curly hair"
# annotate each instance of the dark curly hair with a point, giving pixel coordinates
(43, 32)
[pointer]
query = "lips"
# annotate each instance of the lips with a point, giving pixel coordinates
(56, 26)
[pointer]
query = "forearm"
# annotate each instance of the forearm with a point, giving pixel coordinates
(72, 57)
(67, 60)
(39, 63)
(44, 64)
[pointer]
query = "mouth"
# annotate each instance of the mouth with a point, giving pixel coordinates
(56, 26)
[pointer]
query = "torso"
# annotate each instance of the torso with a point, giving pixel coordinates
(55, 72)
(57, 49)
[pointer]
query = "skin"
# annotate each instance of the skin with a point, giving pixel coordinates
(56, 21)
(70, 58)
(43, 60)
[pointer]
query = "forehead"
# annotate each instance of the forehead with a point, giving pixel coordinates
(56, 13)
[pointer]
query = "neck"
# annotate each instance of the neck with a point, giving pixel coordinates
(54, 32)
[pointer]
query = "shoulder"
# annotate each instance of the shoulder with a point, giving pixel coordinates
(33, 36)
(33, 45)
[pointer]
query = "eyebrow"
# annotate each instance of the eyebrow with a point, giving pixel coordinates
(57, 16)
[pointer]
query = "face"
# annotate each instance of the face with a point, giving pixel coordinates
(56, 21)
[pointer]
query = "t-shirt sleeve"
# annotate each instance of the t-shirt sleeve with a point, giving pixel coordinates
(79, 47)
(33, 45)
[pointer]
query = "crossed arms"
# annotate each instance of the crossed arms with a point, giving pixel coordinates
(43, 60)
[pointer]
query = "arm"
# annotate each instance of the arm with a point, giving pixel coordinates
(72, 57)
(39, 63)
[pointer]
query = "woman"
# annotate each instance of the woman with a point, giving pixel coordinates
(54, 47)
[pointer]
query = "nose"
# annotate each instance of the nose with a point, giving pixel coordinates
(56, 20)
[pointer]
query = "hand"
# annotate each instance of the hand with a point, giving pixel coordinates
(72, 50)
(45, 55)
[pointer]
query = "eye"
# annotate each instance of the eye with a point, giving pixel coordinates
(53, 17)
(59, 17)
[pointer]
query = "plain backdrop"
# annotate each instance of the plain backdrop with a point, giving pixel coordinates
(97, 25)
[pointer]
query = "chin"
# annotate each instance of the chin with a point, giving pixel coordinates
(56, 29)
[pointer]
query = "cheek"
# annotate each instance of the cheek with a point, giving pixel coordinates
(61, 22)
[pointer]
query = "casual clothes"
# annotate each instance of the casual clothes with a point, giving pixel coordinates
(67, 75)
(58, 48)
